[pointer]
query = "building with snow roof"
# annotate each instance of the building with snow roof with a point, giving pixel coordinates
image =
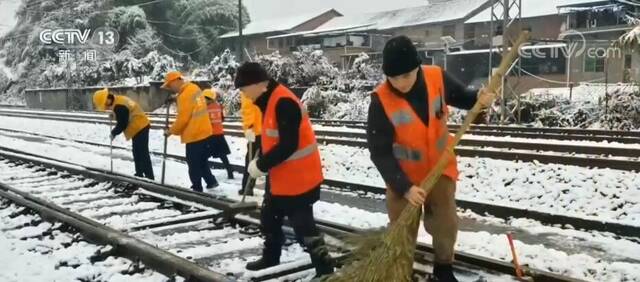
(559, 29)
(593, 26)
(343, 38)
(256, 32)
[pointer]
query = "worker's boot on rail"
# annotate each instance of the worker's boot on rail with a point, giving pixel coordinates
(270, 257)
(320, 258)
(443, 273)
(230, 173)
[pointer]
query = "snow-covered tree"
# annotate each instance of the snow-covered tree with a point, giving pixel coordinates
(158, 64)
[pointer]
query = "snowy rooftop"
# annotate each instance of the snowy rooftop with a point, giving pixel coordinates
(437, 11)
(531, 8)
(530, 47)
(280, 24)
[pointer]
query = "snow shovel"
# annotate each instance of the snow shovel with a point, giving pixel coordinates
(166, 138)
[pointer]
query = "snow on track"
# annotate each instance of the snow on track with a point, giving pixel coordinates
(25, 257)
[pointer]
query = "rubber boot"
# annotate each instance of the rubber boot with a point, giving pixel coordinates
(213, 185)
(270, 257)
(320, 258)
(229, 173)
(443, 273)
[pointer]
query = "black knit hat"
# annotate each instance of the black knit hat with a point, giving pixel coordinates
(399, 56)
(250, 73)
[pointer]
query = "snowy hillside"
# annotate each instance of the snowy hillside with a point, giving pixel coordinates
(153, 37)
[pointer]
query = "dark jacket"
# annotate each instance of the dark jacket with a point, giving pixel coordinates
(122, 120)
(380, 131)
(289, 117)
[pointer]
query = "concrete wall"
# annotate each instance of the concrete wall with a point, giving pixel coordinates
(81, 99)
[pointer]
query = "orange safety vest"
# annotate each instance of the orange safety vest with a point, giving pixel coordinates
(418, 147)
(137, 118)
(302, 171)
(215, 115)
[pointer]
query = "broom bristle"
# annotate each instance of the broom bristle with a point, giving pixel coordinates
(384, 257)
(391, 259)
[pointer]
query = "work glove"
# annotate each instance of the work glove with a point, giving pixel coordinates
(250, 135)
(254, 171)
(167, 133)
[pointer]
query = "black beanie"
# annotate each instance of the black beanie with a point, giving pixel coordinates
(250, 73)
(399, 56)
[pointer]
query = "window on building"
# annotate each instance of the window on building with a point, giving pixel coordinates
(289, 41)
(427, 33)
(594, 63)
(449, 30)
(627, 61)
(280, 43)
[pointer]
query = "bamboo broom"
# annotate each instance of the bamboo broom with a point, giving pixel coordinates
(389, 256)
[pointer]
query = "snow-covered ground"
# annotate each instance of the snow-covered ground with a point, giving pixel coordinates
(561, 189)
(25, 257)
(585, 92)
(603, 194)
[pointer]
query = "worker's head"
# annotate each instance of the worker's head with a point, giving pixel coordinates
(103, 100)
(252, 80)
(400, 63)
(210, 96)
(173, 81)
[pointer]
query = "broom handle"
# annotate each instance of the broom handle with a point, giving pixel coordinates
(493, 87)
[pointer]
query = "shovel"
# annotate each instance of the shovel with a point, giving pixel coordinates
(242, 205)
(164, 151)
(111, 142)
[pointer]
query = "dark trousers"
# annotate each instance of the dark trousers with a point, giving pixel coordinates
(225, 162)
(141, 158)
(247, 159)
(197, 159)
(271, 220)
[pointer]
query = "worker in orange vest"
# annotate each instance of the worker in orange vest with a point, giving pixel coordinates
(252, 126)
(290, 157)
(407, 133)
(193, 125)
(219, 146)
(133, 122)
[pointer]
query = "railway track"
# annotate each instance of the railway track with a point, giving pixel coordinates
(578, 132)
(175, 231)
(498, 211)
(596, 135)
(587, 156)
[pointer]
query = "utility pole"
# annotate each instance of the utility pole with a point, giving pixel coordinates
(240, 41)
(504, 13)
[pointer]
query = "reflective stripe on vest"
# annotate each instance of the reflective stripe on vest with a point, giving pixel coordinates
(304, 152)
(401, 117)
(406, 154)
(272, 133)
